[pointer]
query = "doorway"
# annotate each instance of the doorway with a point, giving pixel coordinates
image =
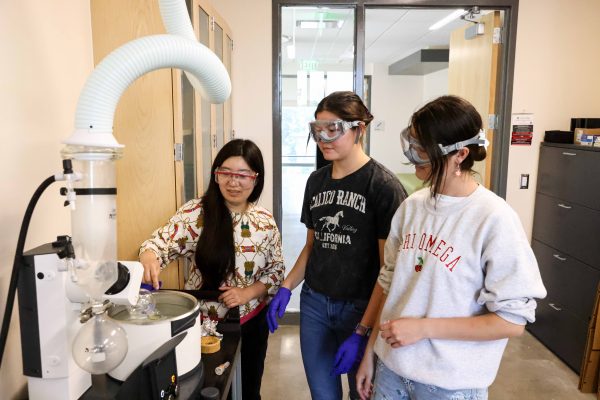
(374, 47)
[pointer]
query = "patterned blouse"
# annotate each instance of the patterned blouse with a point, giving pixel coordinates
(257, 246)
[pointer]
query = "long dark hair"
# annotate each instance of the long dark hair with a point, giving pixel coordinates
(215, 253)
(447, 120)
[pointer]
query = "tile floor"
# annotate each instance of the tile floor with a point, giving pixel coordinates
(528, 371)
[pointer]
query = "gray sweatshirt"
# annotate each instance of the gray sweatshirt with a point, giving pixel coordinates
(457, 257)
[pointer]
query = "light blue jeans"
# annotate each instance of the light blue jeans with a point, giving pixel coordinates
(324, 324)
(389, 386)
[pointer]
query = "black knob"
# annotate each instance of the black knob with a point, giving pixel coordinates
(67, 166)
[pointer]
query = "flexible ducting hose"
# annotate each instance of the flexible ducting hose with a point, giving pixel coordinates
(104, 87)
(176, 19)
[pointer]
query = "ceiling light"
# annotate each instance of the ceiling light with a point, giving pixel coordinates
(317, 24)
(455, 14)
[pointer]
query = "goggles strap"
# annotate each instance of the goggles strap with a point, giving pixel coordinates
(479, 139)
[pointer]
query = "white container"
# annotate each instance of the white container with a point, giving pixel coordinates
(180, 312)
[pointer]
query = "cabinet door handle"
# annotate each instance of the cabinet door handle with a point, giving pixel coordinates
(554, 307)
(564, 206)
(559, 257)
(569, 154)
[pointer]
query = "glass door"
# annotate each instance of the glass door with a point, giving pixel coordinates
(219, 108)
(317, 58)
(205, 120)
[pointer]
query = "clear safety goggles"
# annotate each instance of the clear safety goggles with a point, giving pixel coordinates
(329, 131)
(244, 178)
(417, 155)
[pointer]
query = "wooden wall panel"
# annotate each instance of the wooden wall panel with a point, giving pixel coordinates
(144, 124)
(472, 74)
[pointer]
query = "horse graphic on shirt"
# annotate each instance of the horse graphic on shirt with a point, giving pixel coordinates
(332, 221)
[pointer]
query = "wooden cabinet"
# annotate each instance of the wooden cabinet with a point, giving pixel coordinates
(170, 134)
(567, 217)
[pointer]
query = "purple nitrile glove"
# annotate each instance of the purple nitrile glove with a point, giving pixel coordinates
(349, 354)
(148, 286)
(277, 306)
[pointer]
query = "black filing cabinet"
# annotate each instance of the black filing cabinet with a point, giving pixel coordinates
(566, 243)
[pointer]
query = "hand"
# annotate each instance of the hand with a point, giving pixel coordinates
(364, 376)
(151, 264)
(234, 296)
(277, 306)
(403, 331)
(349, 354)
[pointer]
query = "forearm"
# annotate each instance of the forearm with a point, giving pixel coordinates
(373, 309)
(256, 290)
(296, 275)
(375, 331)
(482, 327)
(377, 296)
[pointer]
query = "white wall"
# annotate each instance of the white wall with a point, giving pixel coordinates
(393, 100)
(46, 55)
(556, 78)
(252, 102)
(435, 85)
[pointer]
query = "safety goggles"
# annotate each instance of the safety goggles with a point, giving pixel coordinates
(417, 154)
(244, 178)
(329, 131)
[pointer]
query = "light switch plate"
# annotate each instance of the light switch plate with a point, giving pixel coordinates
(524, 182)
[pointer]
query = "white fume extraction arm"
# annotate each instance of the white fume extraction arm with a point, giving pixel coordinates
(178, 49)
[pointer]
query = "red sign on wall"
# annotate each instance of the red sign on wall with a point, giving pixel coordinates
(522, 129)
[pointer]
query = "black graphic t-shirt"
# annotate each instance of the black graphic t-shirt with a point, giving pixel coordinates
(348, 216)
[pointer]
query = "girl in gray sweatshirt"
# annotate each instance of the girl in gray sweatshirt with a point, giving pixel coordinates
(459, 278)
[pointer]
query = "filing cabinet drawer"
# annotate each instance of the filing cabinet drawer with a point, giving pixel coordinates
(571, 283)
(561, 331)
(569, 227)
(570, 174)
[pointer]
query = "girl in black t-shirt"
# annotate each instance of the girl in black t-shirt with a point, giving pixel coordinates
(347, 209)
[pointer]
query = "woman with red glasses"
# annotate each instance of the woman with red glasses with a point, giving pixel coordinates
(347, 209)
(235, 247)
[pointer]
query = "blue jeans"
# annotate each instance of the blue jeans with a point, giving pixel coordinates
(324, 324)
(389, 386)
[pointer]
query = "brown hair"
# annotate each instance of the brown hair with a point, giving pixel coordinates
(346, 105)
(447, 120)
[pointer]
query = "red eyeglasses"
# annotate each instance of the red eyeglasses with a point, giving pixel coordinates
(244, 178)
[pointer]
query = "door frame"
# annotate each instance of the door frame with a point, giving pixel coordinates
(504, 85)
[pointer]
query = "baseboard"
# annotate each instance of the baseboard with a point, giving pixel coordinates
(290, 318)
